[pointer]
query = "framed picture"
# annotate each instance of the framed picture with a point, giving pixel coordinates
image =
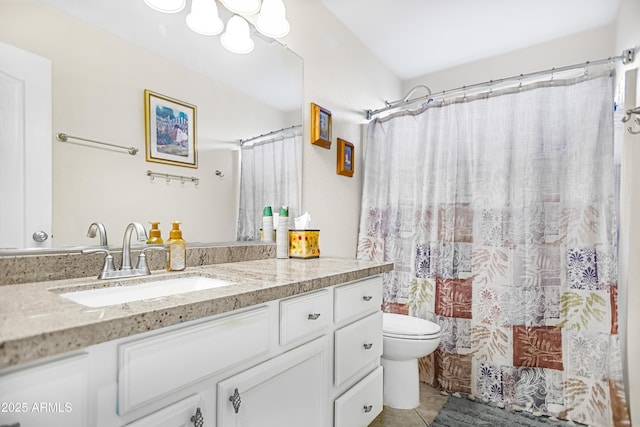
(320, 126)
(346, 160)
(170, 131)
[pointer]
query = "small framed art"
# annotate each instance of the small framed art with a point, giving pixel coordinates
(170, 131)
(346, 161)
(320, 126)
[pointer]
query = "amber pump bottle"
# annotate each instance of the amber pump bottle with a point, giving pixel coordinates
(155, 237)
(176, 249)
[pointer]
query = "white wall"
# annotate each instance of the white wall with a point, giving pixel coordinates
(628, 36)
(98, 85)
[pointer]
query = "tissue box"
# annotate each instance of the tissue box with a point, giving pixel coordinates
(304, 243)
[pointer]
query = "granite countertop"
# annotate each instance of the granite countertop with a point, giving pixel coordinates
(36, 322)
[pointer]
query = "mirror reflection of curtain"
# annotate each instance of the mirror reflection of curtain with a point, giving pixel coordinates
(270, 175)
(499, 214)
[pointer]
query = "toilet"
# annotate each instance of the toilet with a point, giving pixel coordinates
(404, 340)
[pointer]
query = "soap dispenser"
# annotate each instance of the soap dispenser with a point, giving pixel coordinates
(155, 238)
(176, 249)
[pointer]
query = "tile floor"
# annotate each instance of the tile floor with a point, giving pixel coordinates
(431, 401)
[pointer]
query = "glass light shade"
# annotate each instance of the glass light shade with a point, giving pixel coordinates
(272, 21)
(204, 19)
(242, 7)
(237, 38)
(166, 6)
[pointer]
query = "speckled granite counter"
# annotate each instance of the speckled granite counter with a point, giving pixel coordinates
(36, 322)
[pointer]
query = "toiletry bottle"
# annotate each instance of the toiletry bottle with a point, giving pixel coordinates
(176, 249)
(267, 224)
(282, 233)
(155, 238)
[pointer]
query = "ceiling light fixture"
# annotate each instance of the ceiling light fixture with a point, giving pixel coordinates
(272, 21)
(237, 37)
(166, 6)
(242, 7)
(204, 19)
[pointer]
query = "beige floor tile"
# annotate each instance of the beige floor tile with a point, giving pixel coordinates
(431, 401)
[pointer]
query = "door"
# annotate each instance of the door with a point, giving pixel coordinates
(25, 149)
(289, 390)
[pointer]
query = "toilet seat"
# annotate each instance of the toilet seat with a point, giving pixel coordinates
(409, 328)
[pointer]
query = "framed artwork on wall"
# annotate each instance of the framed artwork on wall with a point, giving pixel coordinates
(320, 126)
(346, 161)
(170, 131)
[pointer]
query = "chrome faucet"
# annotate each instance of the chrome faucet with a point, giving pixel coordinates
(98, 227)
(126, 270)
(141, 233)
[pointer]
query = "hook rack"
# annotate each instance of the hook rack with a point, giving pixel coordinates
(170, 177)
(627, 117)
(63, 137)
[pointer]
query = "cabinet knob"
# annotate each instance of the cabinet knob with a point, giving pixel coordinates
(40, 236)
(314, 316)
(368, 408)
(368, 346)
(367, 297)
(198, 419)
(235, 400)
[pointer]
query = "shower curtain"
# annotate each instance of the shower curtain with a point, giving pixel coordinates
(270, 174)
(499, 214)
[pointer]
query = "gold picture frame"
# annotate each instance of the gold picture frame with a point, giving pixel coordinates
(320, 126)
(346, 161)
(170, 131)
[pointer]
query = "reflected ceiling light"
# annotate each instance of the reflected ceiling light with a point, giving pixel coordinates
(242, 7)
(237, 37)
(166, 6)
(272, 21)
(204, 19)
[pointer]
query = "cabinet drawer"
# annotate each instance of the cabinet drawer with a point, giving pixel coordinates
(177, 414)
(152, 367)
(51, 394)
(357, 299)
(304, 317)
(356, 345)
(362, 403)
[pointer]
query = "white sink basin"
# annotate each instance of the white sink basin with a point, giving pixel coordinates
(148, 290)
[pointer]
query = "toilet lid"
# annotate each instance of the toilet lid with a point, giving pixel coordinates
(400, 325)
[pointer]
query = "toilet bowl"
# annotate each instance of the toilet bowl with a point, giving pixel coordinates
(404, 340)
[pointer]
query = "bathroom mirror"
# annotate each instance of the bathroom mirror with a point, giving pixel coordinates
(103, 55)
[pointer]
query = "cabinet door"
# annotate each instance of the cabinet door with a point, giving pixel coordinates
(289, 390)
(51, 394)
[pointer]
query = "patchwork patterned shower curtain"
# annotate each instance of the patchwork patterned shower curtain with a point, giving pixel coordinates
(499, 213)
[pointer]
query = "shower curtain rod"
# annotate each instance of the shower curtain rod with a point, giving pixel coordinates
(626, 57)
(273, 132)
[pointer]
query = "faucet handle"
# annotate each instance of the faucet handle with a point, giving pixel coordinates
(142, 258)
(107, 267)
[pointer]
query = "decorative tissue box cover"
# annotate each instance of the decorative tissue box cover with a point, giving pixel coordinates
(304, 243)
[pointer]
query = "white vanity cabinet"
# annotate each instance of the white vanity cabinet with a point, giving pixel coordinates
(52, 393)
(309, 360)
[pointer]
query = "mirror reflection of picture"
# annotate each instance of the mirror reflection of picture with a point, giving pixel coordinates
(345, 164)
(170, 131)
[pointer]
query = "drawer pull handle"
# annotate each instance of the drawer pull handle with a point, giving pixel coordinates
(368, 408)
(314, 316)
(235, 400)
(198, 419)
(367, 297)
(368, 346)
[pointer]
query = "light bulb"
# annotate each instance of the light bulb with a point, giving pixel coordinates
(237, 37)
(204, 19)
(242, 7)
(272, 21)
(166, 6)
